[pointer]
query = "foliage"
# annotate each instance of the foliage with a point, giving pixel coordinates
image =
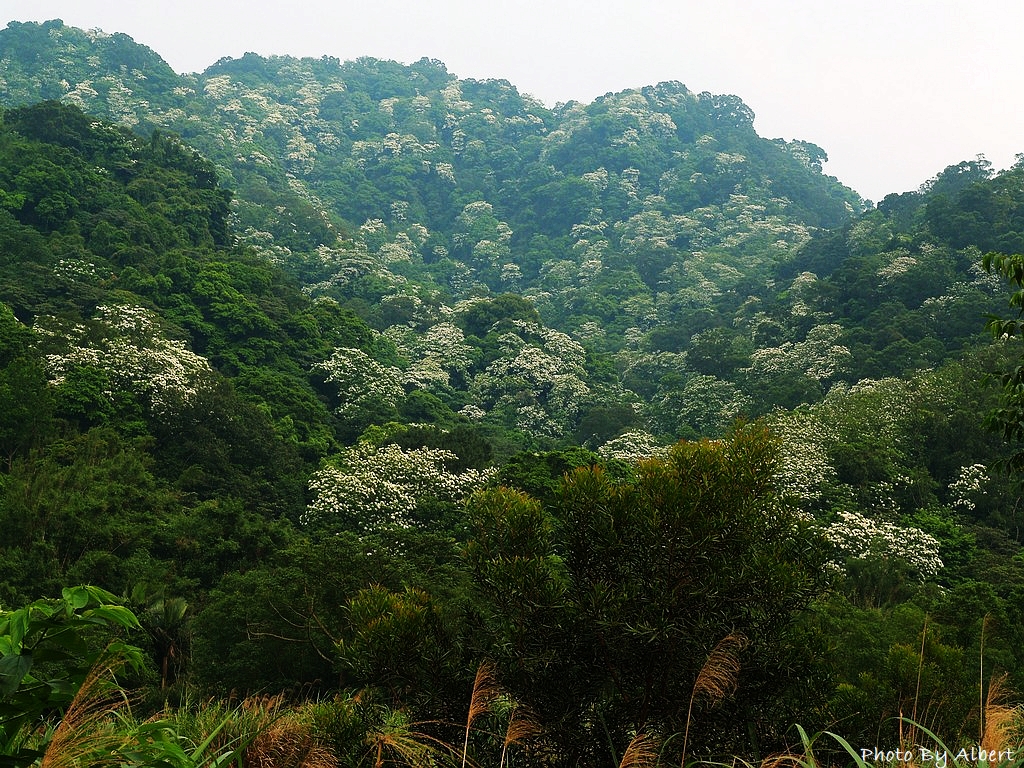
(48, 649)
(1006, 419)
(268, 335)
(600, 607)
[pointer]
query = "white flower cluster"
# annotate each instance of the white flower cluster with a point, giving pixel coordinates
(704, 403)
(127, 344)
(351, 263)
(632, 446)
(969, 484)
(857, 536)
(818, 356)
(898, 263)
(805, 470)
(882, 407)
(76, 269)
(741, 222)
(434, 355)
(361, 380)
(542, 385)
(372, 487)
(800, 292)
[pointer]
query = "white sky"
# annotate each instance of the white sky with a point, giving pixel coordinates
(892, 90)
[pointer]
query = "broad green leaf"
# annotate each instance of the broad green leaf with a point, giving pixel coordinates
(117, 614)
(13, 670)
(17, 628)
(76, 597)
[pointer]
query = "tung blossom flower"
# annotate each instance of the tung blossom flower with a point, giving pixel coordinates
(361, 380)
(129, 346)
(370, 487)
(860, 537)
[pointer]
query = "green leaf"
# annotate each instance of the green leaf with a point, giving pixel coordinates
(858, 760)
(76, 597)
(116, 614)
(13, 670)
(17, 629)
(25, 757)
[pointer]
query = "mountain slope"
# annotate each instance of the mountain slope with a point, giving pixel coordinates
(683, 255)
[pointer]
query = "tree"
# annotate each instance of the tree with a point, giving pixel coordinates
(26, 408)
(1008, 418)
(371, 487)
(603, 607)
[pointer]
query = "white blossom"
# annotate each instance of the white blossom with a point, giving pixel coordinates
(633, 445)
(361, 380)
(857, 536)
(370, 487)
(968, 486)
(130, 347)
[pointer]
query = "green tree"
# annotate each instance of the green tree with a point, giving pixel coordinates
(1008, 418)
(26, 409)
(602, 608)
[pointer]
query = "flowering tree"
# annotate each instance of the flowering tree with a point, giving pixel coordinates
(804, 440)
(435, 356)
(703, 404)
(633, 445)
(128, 345)
(818, 357)
(361, 381)
(859, 537)
(968, 487)
(538, 386)
(369, 487)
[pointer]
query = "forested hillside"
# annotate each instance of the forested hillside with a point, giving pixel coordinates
(359, 382)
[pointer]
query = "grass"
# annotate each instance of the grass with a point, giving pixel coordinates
(99, 729)
(717, 678)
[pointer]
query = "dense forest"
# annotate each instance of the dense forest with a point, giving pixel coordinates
(353, 413)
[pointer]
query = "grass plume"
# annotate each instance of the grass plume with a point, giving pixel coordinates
(1001, 722)
(717, 679)
(642, 752)
(485, 691)
(85, 734)
(522, 725)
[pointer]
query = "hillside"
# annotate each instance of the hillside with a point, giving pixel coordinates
(377, 376)
(640, 225)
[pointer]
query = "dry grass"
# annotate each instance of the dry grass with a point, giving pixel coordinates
(717, 679)
(282, 739)
(486, 691)
(642, 752)
(720, 674)
(1001, 722)
(522, 725)
(86, 735)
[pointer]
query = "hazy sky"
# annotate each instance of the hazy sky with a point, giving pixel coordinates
(892, 90)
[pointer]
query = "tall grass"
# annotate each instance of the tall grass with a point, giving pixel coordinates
(717, 678)
(486, 691)
(642, 752)
(522, 725)
(87, 734)
(1002, 723)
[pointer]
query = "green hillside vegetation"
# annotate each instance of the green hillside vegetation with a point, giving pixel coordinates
(390, 397)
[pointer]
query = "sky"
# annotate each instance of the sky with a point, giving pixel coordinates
(893, 90)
